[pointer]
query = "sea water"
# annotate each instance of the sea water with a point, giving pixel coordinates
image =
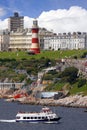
(72, 118)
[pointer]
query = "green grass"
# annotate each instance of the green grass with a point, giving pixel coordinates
(58, 86)
(73, 89)
(76, 90)
(61, 54)
(47, 54)
(14, 55)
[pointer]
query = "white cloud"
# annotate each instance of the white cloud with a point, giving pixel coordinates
(2, 12)
(3, 24)
(61, 20)
(28, 22)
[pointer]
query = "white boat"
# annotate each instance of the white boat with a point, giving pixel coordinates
(45, 116)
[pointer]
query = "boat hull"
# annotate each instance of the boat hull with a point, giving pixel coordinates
(41, 121)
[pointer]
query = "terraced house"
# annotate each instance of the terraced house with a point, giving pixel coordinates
(66, 41)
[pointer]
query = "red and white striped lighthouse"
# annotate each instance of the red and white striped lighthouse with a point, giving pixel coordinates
(35, 41)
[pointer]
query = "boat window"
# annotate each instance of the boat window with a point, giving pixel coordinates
(42, 117)
(31, 117)
(18, 117)
(39, 117)
(24, 118)
(28, 117)
(35, 117)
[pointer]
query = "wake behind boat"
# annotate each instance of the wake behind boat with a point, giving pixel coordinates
(8, 121)
(45, 116)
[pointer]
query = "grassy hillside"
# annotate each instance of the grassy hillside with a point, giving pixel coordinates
(38, 63)
(47, 54)
(73, 89)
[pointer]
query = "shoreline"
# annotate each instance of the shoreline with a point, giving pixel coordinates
(76, 101)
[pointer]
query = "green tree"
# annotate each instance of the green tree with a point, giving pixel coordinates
(70, 74)
(81, 82)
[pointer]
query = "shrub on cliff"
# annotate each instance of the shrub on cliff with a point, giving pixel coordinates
(81, 82)
(69, 74)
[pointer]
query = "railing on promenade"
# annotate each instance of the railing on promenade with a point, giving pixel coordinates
(10, 85)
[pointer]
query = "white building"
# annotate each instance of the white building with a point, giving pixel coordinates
(21, 39)
(4, 40)
(65, 41)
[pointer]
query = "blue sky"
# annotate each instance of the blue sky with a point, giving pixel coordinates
(33, 8)
(50, 13)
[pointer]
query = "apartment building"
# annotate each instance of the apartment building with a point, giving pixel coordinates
(4, 40)
(15, 22)
(20, 40)
(44, 33)
(66, 41)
